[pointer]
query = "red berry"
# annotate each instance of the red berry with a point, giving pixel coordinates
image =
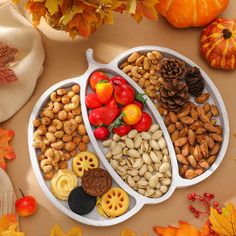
(201, 199)
(189, 197)
(101, 133)
(206, 195)
(212, 195)
(192, 209)
(215, 204)
(196, 215)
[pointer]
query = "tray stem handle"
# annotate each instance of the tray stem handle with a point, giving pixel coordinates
(90, 59)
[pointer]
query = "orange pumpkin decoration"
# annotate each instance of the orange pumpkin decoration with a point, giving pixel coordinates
(187, 13)
(218, 44)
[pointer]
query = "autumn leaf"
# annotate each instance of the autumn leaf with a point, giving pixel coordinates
(8, 226)
(52, 6)
(206, 230)
(224, 224)
(146, 8)
(57, 231)
(127, 232)
(6, 151)
(183, 230)
(38, 10)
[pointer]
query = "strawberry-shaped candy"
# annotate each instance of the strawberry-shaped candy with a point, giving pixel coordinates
(104, 91)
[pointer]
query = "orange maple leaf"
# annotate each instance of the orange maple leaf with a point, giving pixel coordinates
(146, 8)
(84, 22)
(38, 10)
(183, 230)
(6, 151)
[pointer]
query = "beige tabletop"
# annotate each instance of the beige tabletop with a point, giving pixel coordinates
(65, 58)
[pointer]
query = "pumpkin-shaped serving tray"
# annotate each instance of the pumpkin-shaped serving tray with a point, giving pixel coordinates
(137, 201)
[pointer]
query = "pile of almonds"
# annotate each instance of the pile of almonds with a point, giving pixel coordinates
(196, 136)
(142, 160)
(59, 130)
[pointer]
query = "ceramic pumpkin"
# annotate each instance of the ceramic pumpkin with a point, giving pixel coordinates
(218, 44)
(187, 13)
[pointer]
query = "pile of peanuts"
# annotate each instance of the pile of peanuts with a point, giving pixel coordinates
(143, 69)
(59, 131)
(195, 133)
(142, 160)
(196, 136)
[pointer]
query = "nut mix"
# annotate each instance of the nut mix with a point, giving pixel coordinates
(59, 130)
(194, 130)
(142, 160)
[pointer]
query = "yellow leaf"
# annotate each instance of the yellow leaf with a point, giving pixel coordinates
(131, 7)
(127, 232)
(52, 6)
(56, 231)
(75, 231)
(224, 224)
(69, 16)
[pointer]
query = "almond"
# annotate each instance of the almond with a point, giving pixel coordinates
(211, 128)
(175, 135)
(181, 159)
(190, 174)
(181, 141)
(192, 105)
(204, 164)
(192, 161)
(211, 159)
(199, 171)
(204, 148)
(185, 150)
(177, 150)
(200, 138)
(197, 124)
(183, 132)
(171, 128)
(210, 142)
(173, 117)
(200, 131)
(202, 98)
(194, 114)
(202, 115)
(167, 120)
(216, 149)
(214, 110)
(183, 169)
(191, 137)
(184, 113)
(206, 108)
(197, 153)
(216, 137)
(187, 120)
(179, 125)
(220, 129)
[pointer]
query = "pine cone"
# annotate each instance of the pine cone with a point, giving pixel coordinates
(174, 95)
(195, 81)
(172, 69)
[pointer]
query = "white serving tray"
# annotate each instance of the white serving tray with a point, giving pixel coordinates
(137, 201)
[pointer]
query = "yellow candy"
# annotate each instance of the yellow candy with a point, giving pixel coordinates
(115, 202)
(62, 183)
(83, 162)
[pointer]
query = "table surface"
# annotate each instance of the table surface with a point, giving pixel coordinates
(65, 58)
